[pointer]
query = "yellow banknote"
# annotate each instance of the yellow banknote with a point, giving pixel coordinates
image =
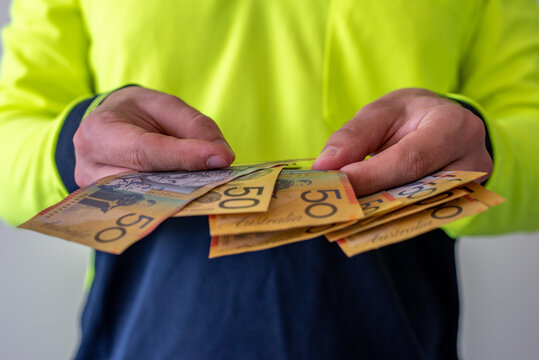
(119, 210)
(390, 200)
(378, 203)
(416, 207)
(247, 194)
(478, 192)
(410, 226)
(301, 199)
(105, 219)
(183, 185)
(240, 243)
(432, 185)
(372, 206)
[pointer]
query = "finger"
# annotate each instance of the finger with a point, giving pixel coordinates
(161, 113)
(181, 120)
(369, 130)
(128, 146)
(418, 154)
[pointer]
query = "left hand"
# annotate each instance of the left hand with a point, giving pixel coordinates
(409, 133)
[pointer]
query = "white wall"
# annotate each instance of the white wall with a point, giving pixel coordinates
(499, 284)
(41, 293)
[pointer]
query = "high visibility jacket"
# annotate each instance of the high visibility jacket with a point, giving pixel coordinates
(279, 77)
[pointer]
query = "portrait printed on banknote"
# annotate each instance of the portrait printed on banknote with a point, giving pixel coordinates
(178, 182)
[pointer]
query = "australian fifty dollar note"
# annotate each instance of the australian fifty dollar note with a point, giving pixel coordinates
(300, 199)
(119, 210)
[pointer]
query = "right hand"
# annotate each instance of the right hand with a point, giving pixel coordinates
(146, 130)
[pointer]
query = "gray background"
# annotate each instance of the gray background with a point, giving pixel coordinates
(41, 293)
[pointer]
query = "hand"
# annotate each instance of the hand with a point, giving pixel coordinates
(409, 133)
(145, 130)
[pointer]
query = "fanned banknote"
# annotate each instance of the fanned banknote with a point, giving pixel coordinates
(478, 192)
(406, 195)
(411, 226)
(416, 207)
(432, 185)
(119, 210)
(242, 243)
(247, 194)
(272, 209)
(301, 198)
(380, 208)
(378, 203)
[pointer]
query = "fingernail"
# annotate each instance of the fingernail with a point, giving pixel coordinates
(328, 152)
(216, 162)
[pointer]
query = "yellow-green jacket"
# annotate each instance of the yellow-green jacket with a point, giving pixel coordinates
(277, 76)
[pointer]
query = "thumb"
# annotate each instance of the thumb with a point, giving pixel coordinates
(110, 141)
(366, 132)
(179, 119)
(165, 114)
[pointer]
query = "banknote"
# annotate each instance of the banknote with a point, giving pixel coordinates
(381, 203)
(119, 210)
(247, 194)
(300, 199)
(182, 185)
(390, 200)
(105, 219)
(222, 245)
(478, 192)
(410, 226)
(378, 203)
(432, 185)
(413, 208)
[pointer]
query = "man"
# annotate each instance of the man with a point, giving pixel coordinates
(276, 79)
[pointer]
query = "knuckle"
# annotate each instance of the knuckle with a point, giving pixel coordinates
(372, 108)
(80, 176)
(79, 140)
(449, 111)
(488, 166)
(347, 137)
(476, 127)
(81, 144)
(87, 129)
(347, 132)
(417, 164)
(102, 117)
(200, 121)
(165, 101)
(136, 159)
(485, 162)
(142, 94)
(183, 164)
(165, 98)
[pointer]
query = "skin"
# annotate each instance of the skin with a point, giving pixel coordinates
(409, 134)
(145, 130)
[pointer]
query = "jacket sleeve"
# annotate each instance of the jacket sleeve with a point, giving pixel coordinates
(500, 78)
(45, 87)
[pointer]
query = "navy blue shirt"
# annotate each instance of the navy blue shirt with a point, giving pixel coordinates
(164, 299)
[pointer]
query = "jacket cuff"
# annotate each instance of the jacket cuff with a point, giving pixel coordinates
(65, 151)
